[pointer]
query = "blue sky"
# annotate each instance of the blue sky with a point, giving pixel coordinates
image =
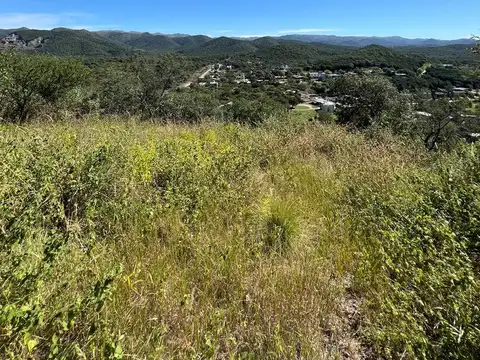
(444, 19)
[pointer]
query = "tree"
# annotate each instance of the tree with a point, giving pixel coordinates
(442, 123)
(369, 101)
(29, 81)
(188, 106)
(250, 112)
(156, 78)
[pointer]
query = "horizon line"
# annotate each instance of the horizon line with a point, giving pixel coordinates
(281, 33)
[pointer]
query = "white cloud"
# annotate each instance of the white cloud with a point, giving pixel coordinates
(306, 31)
(41, 20)
(223, 31)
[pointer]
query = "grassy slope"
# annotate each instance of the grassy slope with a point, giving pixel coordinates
(233, 242)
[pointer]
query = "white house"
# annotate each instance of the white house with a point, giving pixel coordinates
(325, 105)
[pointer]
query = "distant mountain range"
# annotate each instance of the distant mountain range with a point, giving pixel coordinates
(67, 42)
(391, 41)
(357, 41)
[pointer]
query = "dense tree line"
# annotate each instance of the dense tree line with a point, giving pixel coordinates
(143, 86)
(28, 83)
(149, 88)
(373, 102)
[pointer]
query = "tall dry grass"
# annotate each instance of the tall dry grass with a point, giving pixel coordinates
(176, 241)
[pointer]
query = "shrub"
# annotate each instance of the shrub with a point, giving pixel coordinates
(251, 112)
(54, 205)
(29, 81)
(421, 240)
(281, 226)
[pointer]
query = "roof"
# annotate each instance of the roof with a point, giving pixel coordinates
(324, 101)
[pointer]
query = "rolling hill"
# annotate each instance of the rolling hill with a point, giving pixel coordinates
(66, 42)
(448, 53)
(155, 42)
(336, 51)
(358, 41)
(222, 46)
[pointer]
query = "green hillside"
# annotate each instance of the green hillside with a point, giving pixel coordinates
(192, 40)
(265, 41)
(222, 46)
(120, 36)
(375, 55)
(156, 43)
(66, 42)
(295, 52)
(457, 53)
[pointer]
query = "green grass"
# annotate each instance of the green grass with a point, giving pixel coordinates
(132, 240)
(302, 113)
(303, 107)
(424, 68)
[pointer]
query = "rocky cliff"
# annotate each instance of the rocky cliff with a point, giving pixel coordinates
(16, 41)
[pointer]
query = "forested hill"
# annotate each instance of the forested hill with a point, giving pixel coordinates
(460, 53)
(391, 41)
(67, 42)
(155, 42)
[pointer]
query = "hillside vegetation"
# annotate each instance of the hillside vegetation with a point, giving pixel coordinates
(66, 42)
(122, 239)
(449, 53)
(291, 49)
(146, 216)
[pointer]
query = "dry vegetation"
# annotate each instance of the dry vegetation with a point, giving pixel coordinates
(130, 240)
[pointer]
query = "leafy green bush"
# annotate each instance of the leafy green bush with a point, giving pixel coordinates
(421, 244)
(190, 107)
(251, 112)
(369, 101)
(29, 81)
(53, 207)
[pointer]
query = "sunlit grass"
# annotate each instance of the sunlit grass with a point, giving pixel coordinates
(223, 241)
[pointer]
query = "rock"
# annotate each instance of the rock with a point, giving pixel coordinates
(15, 40)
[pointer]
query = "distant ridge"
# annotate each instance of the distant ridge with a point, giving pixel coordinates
(392, 41)
(297, 48)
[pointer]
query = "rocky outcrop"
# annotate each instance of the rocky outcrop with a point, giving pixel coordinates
(16, 41)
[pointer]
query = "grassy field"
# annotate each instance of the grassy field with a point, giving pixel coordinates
(303, 107)
(302, 113)
(292, 240)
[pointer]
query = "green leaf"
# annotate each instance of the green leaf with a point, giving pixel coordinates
(31, 344)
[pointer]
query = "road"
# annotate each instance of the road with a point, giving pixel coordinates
(202, 74)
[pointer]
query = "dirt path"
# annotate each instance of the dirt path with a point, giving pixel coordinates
(201, 74)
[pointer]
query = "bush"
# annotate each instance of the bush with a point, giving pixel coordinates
(370, 101)
(29, 81)
(251, 112)
(418, 259)
(53, 207)
(190, 107)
